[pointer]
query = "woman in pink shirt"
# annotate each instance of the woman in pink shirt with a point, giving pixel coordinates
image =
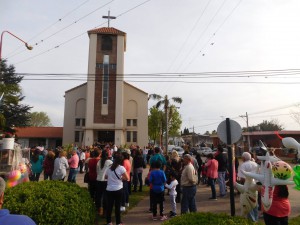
(212, 174)
(280, 208)
(73, 164)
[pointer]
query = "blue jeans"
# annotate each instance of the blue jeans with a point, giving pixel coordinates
(188, 201)
(212, 183)
(145, 158)
(253, 214)
(221, 181)
(137, 177)
(72, 175)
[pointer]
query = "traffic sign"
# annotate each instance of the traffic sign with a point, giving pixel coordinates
(235, 128)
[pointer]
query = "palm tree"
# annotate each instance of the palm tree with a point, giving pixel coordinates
(165, 102)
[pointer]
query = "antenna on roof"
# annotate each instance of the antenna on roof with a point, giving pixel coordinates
(109, 17)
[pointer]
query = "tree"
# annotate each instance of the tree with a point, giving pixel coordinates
(272, 125)
(155, 123)
(207, 133)
(168, 110)
(186, 131)
(39, 119)
(15, 113)
(214, 132)
(175, 122)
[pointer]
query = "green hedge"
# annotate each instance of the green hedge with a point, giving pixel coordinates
(207, 219)
(51, 202)
(294, 221)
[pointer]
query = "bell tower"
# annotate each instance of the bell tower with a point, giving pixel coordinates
(105, 85)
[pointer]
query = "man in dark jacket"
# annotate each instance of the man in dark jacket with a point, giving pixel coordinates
(222, 168)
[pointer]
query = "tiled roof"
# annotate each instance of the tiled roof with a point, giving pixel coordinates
(39, 132)
(107, 30)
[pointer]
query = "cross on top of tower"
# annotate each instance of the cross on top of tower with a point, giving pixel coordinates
(109, 17)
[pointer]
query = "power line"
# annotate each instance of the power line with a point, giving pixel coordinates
(213, 35)
(259, 112)
(75, 37)
(76, 21)
(288, 73)
(189, 35)
(203, 32)
(186, 41)
(47, 28)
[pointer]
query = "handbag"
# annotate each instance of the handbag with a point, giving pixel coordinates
(86, 178)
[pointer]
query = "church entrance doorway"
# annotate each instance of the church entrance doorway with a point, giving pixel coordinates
(106, 136)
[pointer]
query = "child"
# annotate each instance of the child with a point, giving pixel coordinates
(173, 193)
(203, 172)
(147, 182)
(157, 179)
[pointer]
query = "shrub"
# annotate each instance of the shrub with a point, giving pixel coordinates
(207, 218)
(51, 202)
(294, 221)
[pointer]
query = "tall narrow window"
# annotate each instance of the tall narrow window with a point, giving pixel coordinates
(105, 87)
(77, 136)
(134, 136)
(77, 122)
(128, 138)
(128, 122)
(134, 122)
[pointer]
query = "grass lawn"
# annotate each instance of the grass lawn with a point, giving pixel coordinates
(134, 199)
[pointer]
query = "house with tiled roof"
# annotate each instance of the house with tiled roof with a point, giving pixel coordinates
(33, 136)
(106, 109)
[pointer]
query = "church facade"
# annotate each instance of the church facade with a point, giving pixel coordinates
(106, 109)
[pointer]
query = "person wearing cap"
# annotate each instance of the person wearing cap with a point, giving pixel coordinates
(8, 219)
(188, 183)
(248, 165)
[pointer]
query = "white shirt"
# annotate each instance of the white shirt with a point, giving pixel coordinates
(172, 187)
(114, 182)
(101, 172)
(145, 151)
(82, 156)
(60, 168)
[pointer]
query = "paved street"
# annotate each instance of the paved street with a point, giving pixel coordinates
(138, 215)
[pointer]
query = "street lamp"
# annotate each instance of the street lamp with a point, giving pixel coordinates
(26, 44)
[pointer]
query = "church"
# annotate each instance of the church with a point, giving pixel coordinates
(106, 109)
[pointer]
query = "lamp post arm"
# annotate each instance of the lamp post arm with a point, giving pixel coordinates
(26, 44)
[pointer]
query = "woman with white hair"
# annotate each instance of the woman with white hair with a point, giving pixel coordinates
(176, 168)
(248, 166)
(5, 217)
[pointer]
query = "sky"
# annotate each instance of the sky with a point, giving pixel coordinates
(222, 57)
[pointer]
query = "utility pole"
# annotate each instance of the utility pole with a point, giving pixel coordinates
(247, 122)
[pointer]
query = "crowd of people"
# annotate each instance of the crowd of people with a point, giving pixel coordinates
(113, 173)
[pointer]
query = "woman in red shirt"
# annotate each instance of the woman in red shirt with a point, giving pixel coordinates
(280, 208)
(92, 165)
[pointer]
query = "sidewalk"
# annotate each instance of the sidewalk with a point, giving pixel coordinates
(139, 215)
